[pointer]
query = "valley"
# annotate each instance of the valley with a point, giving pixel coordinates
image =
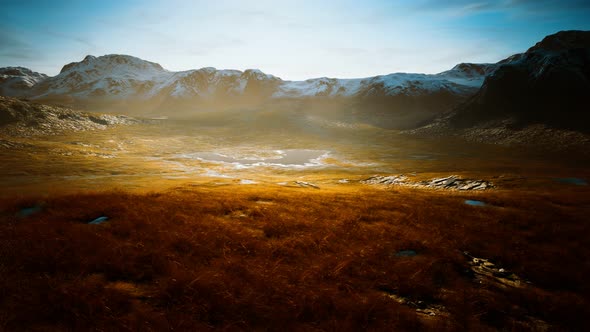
(137, 198)
(158, 154)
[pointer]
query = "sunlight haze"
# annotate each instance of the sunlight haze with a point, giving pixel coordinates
(291, 39)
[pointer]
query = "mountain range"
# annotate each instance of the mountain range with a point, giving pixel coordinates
(129, 85)
(116, 77)
(549, 83)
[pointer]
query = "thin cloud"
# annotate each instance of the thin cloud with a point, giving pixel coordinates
(14, 49)
(66, 36)
(18, 56)
(455, 5)
(532, 6)
(552, 4)
(8, 40)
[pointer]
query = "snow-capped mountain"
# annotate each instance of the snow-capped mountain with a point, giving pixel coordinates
(210, 83)
(118, 77)
(454, 81)
(18, 81)
(106, 76)
(469, 74)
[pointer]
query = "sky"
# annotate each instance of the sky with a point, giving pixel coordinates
(294, 40)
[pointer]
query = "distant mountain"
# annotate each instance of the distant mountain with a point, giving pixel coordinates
(123, 83)
(547, 88)
(18, 81)
(123, 77)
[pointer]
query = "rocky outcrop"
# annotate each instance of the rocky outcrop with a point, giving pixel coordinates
(305, 184)
(487, 272)
(387, 180)
(452, 182)
(22, 118)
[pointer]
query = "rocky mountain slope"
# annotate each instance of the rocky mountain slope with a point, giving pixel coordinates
(22, 118)
(124, 83)
(542, 94)
(18, 81)
(122, 77)
(547, 86)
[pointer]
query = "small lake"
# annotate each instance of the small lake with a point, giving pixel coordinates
(284, 158)
(474, 202)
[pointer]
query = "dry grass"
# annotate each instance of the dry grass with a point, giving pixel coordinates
(235, 258)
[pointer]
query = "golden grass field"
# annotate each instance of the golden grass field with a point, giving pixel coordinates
(250, 258)
(185, 252)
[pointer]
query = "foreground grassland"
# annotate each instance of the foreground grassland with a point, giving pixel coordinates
(267, 258)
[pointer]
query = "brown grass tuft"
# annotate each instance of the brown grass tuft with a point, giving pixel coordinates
(239, 258)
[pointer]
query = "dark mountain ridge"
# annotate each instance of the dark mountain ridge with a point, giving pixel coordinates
(549, 84)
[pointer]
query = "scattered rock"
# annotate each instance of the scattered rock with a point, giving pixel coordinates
(386, 180)
(306, 184)
(487, 272)
(264, 202)
(449, 182)
(421, 307)
(343, 181)
(454, 182)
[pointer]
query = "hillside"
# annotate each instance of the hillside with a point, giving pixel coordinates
(18, 81)
(23, 118)
(538, 97)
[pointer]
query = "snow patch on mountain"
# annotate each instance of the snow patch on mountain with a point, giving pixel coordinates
(462, 79)
(112, 75)
(469, 74)
(126, 77)
(17, 81)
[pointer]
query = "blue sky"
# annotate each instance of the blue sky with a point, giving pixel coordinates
(291, 39)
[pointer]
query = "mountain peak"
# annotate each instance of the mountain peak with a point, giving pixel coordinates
(258, 74)
(473, 68)
(20, 71)
(89, 58)
(563, 40)
(110, 61)
(548, 85)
